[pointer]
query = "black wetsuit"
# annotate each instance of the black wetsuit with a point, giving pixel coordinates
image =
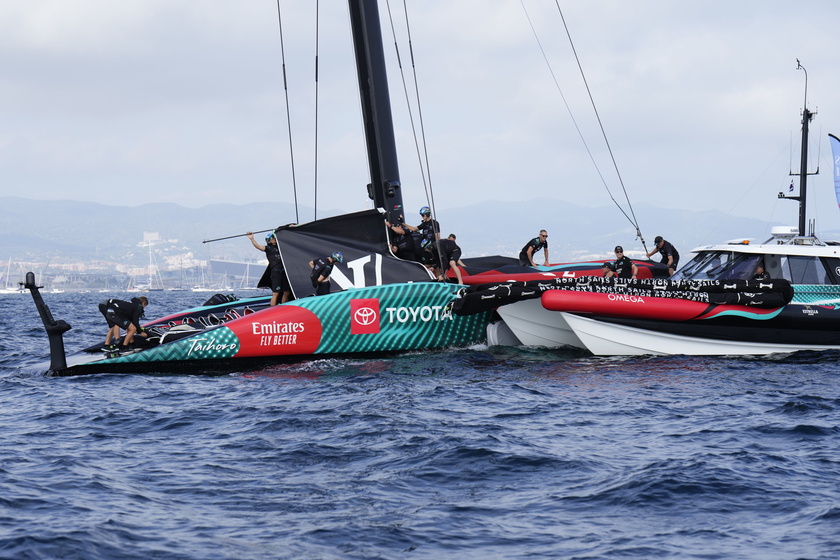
(428, 229)
(279, 280)
(323, 267)
(537, 243)
(429, 255)
(275, 273)
(122, 313)
(623, 267)
(668, 249)
(405, 245)
(450, 251)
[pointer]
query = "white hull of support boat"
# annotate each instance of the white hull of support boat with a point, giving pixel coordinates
(534, 325)
(609, 339)
(499, 334)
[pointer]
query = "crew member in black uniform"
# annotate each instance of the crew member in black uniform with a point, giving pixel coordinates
(450, 254)
(429, 256)
(321, 270)
(526, 255)
(124, 315)
(622, 267)
(402, 241)
(670, 255)
(429, 228)
(274, 276)
(760, 273)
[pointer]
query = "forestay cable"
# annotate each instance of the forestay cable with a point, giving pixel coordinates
(632, 219)
(288, 113)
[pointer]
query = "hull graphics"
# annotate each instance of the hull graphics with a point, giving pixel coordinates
(645, 307)
(218, 309)
(796, 327)
(736, 293)
(382, 319)
(486, 270)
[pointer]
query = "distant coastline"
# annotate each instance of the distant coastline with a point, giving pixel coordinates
(110, 245)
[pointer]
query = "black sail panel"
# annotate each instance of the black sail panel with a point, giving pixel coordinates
(361, 238)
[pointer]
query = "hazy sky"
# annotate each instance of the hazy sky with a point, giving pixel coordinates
(182, 101)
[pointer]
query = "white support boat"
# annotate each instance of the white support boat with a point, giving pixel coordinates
(634, 317)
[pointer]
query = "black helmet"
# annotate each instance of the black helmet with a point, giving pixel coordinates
(619, 249)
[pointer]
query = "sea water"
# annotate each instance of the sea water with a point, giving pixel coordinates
(466, 453)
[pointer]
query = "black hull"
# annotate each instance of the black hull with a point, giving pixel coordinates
(798, 325)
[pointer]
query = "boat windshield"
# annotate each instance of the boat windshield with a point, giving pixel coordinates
(718, 265)
(715, 265)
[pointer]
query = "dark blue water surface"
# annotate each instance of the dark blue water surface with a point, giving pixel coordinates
(472, 453)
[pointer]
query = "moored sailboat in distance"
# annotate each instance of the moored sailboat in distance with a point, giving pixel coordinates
(7, 285)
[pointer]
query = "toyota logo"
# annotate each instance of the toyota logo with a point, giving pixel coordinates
(364, 316)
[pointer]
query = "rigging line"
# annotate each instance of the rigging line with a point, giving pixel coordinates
(405, 92)
(574, 121)
(288, 113)
(568, 109)
(317, 47)
(430, 195)
(408, 100)
(634, 220)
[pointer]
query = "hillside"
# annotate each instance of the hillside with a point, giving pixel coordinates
(69, 231)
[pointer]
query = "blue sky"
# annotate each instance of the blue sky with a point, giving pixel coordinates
(182, 101)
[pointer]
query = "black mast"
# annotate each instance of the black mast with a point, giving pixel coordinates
(803, 160)
(803, 168)
(384, 187)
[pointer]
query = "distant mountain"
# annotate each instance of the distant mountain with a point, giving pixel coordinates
(68, 231)
(580, 232)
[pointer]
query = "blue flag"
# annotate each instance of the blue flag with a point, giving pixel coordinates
(835, 151)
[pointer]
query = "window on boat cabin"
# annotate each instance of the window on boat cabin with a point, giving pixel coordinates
(703, 266)
(742, 267)
(832, 270)
(713, 265)
(803, 270)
